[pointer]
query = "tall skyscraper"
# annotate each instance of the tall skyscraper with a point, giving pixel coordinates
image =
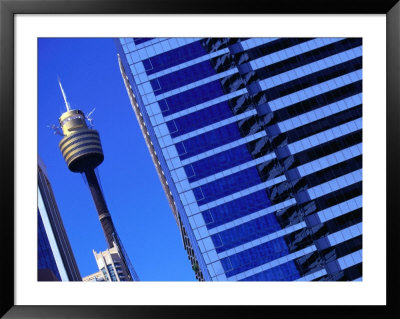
(258, 145)
(56, 262)
(82, 152)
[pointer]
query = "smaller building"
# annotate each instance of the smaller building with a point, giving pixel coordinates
(111, 266)
(97, 276)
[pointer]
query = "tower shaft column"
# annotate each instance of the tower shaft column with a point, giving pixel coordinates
(82, 152)
(101, 206)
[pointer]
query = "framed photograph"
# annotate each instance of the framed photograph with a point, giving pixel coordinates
(286, 99)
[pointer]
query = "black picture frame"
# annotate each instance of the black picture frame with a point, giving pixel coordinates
(8, 10)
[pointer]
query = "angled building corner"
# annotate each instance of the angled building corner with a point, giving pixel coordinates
(185, 238)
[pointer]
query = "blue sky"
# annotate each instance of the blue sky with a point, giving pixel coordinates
(88, 69)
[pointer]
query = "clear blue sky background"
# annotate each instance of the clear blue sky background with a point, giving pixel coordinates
(88, 69)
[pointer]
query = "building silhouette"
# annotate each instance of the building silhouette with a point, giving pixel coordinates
(82, 152)
(258, 146)
(56, 261)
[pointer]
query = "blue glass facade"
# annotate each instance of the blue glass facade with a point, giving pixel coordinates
(46, 258)
(260, 143)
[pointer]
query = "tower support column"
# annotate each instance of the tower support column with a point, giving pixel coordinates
(82, 151)
(101, 206)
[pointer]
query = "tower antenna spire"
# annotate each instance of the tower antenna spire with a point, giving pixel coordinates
(65, 97)
(82, 151)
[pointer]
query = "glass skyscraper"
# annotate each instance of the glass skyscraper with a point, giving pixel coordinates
(56, 261)
(258, 145)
